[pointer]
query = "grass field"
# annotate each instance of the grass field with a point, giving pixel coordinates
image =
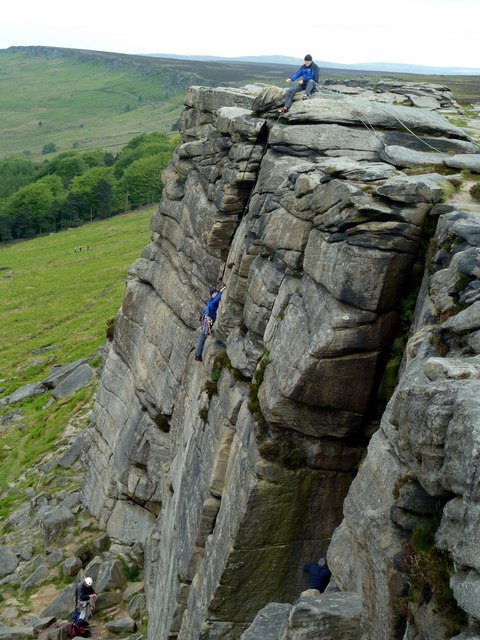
(59, 295)
(62, 297)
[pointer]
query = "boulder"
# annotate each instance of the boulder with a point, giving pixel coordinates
(412, 189)
(71, 566)
(53, 521)
(8, 561)
(17, 632)
(122, 625)
(63, 604)
(469, 161)
(332, 616)
(269, 623)
(28, 391)
(80, 377)
(110, 576)
(404, 157)
(39, 575)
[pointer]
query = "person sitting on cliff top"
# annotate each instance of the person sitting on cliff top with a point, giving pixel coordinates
(208, 318)
(318, 575)
(307, 77)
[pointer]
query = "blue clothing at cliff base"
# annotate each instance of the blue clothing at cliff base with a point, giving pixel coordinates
(318, 577)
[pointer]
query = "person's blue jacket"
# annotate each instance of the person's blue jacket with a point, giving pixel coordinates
(212, 306)
(307, 73)
(318, 577)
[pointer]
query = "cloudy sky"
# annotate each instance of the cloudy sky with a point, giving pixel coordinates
(425, 32)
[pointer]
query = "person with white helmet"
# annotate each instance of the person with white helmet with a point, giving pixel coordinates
(86, 597)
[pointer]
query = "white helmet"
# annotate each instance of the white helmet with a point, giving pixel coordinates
(88, 582)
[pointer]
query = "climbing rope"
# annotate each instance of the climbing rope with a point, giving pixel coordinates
(366, 123)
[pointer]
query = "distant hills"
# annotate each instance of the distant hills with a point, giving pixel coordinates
(387, 67)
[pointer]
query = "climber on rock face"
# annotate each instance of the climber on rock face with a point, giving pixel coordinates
(208, 318)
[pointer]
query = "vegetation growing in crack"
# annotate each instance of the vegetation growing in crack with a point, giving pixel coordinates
(429, 571)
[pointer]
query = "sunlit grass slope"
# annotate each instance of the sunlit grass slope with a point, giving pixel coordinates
(62, 290)
(56, 296)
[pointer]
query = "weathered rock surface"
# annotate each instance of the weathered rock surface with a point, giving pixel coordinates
(425, 455)
(231, 474)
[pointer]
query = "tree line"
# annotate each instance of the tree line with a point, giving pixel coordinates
(76, 187)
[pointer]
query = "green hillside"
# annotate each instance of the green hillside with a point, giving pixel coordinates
(81, 101)
(57, 299)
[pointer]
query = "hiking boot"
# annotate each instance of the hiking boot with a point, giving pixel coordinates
(199, 358)
(283, 110)
(305, 97)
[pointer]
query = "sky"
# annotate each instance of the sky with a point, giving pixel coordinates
(442, 33)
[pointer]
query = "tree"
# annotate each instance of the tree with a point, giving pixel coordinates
(5, 227)
(66, 165)
(31, 205)
(104, 197)
(50, 147)
(91, 188)
(142, 146)
(15, 173)
(142, 180)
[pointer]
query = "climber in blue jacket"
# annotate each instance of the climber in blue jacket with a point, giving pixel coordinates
(307, 77)
(208, 318)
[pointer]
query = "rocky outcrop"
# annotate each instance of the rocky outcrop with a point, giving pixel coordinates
(231, 474)
(422, 463)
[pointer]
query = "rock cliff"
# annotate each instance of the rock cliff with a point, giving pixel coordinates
(231, 474)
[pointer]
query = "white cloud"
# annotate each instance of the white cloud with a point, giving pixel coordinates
(433, 32)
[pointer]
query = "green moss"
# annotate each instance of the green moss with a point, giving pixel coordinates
(253, 401)
(283, 452)
(132, 573)
(447, 190)
(442, 169)
(407, 309)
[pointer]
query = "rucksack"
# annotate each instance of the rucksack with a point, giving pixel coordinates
(77, 627)
(75, 615)
(73, 629)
